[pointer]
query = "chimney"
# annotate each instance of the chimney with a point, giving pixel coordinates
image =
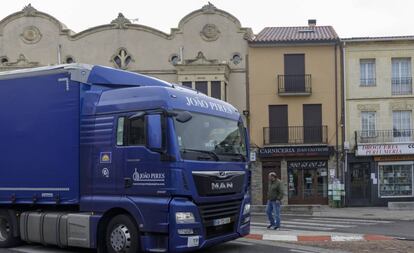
(311, 22)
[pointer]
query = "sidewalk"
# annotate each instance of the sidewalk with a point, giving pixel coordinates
(259, 232)
(377, 213)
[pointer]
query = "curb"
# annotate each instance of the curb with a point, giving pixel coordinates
(339, 217)
(318, 238)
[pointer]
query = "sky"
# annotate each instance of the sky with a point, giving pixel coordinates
(350, 18)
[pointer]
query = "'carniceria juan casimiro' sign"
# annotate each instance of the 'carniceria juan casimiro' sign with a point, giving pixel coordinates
(295, 151)
(385, 149)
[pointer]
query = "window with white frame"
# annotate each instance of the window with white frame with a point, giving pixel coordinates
(368, 124)
(395, 179)
(367, 72)
(401, 76)
(401, 121)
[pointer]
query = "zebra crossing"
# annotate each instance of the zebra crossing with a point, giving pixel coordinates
(322, 223)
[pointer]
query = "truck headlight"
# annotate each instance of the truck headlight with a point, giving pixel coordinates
(184, 217)
(246, 209)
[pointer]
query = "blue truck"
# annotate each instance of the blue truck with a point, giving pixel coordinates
(100, 158)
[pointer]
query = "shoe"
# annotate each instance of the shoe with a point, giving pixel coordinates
(276, 228)
(270, 226)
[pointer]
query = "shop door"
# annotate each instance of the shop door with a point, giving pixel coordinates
(308, 182)
(268, 167)
(360, 184)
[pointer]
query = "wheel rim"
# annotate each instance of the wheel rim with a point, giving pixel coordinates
(4, 229)
(120, 238)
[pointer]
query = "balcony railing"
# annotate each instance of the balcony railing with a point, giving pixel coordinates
(367, 82)
(294, 85)
(295, 135)
(401, 86)
(384, 136)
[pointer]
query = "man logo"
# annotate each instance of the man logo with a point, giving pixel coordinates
(221, 186)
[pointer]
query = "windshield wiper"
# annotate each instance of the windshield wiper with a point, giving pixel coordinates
(211, 153)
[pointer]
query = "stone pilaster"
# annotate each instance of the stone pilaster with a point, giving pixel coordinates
(257, 185)
(284, 179)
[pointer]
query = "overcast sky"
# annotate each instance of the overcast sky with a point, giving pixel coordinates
(350, 18)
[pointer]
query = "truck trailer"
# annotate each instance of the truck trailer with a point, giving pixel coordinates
(101, 158)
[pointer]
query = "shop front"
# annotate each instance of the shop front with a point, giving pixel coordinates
(380, 173)
(304, 171)
(308, 182)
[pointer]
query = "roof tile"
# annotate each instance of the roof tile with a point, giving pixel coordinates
(296, 34)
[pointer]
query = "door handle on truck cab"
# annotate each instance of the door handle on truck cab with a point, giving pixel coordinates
(128, 182)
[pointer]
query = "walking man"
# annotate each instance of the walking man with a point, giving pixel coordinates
(274, 198)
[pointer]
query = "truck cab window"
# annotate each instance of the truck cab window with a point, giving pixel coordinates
(130, 132)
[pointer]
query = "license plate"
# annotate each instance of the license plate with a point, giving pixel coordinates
(219, 222)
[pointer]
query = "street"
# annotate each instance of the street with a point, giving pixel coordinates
(291, 224)
(239, 246)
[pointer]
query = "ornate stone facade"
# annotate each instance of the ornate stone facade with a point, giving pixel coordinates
(208, 44)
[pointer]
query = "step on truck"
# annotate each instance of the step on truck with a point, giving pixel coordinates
(100, 158)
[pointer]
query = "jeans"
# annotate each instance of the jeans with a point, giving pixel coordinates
(273, 212)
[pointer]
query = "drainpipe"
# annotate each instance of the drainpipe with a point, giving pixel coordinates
(336, 109)
(343, 115)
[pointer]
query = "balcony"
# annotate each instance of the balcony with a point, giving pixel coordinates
(294, 85)
(295, 135)
(384, 136)
(401, 86)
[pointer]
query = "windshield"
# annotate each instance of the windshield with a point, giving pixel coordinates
(207, 137)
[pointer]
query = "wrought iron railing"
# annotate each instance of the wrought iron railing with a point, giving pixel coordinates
(401, 86)
(384, 136)
(367, 81)
(295, 135)
(294, 84)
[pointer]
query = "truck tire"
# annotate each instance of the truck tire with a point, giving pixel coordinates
(122, 235)
(7, 239)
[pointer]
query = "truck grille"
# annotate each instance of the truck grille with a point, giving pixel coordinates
(211, 212)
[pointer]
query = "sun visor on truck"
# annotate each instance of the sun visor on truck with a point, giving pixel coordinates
(113, 77)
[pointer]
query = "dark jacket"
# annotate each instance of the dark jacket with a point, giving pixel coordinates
(275, 190)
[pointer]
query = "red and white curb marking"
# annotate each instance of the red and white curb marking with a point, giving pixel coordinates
(318, 238)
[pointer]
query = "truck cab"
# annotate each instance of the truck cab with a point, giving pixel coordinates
(162, 168)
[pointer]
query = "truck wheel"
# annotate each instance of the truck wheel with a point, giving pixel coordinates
(122, 235)
(6, 233)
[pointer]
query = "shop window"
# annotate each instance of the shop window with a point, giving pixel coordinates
(396, 180)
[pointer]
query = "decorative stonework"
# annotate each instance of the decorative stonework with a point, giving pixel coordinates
(368, 107)
(210, 32)
(209, 8)
(121, 21)
(31, 35)
(200, 59)
(236, 58)
(29, 10)
(402, 105)
(22, 61)
(122, 58)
